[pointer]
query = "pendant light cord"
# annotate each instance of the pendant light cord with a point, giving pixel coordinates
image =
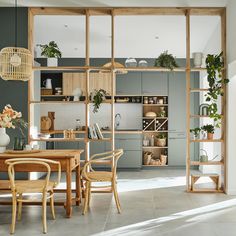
(15, 23)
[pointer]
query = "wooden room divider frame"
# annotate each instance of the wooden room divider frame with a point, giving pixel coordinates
(180, 11)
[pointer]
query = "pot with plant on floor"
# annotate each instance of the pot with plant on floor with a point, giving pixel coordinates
(161, 140)
(166, 60)
(51, 51)
(97, 97)
(195, 133)
(210, 130)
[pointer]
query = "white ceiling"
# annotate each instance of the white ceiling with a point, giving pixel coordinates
(104, 3)
(135, 36)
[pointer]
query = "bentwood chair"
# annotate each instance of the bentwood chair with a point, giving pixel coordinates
(89, 175)
(43, 186)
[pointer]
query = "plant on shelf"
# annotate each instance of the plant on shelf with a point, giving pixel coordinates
(166, 60)
(97, 97)
(195, 132)
(209, 129)
(51, 51)
(215, 65)
(161, 140)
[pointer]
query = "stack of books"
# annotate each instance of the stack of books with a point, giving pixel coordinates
(94, 132)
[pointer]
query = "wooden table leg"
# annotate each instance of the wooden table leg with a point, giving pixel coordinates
(68, 189)
(78, 185)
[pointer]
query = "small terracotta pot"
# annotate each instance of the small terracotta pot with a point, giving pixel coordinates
(210, 136)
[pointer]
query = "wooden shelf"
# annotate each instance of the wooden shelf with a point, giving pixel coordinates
(56, 96)
(61, 132)
(153, 147)
(198, 69)
(162, 69)
(154, 165)
(70, 68)
(200, 116)
(198, 90)
(158, 105)
(157, 131)
(155, 118)
(57, 139)
(207, 141)
(57, 102)
(100, 140)
(206, 190)
(198, 163)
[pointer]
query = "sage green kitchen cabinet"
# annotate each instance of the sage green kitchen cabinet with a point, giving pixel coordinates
(155, 83)
(128, 84)
(177, 151)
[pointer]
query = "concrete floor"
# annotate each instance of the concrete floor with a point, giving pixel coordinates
(154, 202)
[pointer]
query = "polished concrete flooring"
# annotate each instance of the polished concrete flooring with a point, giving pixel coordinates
(154, 202)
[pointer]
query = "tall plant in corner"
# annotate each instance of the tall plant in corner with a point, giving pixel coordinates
(215, 66)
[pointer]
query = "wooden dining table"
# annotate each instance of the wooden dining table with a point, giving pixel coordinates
(70, 161)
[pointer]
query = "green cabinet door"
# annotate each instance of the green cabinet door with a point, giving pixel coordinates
(177, 152)
(155, 83)
(128, 84)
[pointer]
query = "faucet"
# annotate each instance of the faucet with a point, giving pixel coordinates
(117, 120)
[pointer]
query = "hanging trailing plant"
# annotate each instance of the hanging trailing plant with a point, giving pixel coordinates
(166, 60)
(214, 66)
(97, 97)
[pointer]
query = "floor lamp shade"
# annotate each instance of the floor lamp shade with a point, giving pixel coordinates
(15, 64)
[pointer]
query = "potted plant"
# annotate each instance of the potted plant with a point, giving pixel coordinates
(51, 51)
(9, 118)
(209, 129)
(166, 60)
(161, 140)
(195, 132)
(97, 97)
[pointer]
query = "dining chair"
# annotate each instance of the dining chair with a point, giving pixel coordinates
(43, 186)
(89, 175)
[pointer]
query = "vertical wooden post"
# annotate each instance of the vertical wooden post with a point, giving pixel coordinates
(188, 78)
(223, 99)
(113, 79)
(30, 85)
(87, 62)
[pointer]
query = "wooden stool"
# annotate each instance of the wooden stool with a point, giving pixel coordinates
(214, 177)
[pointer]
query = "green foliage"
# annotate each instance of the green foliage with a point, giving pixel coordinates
(215, 66)
(161, 136)
(20, 124)
(195, 131)
(97, 98)
(166, 60)
(50, 50)
(208, 128)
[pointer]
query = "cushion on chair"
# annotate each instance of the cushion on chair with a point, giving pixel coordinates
(100, 176)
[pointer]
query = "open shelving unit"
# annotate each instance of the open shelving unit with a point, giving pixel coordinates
(87, 68)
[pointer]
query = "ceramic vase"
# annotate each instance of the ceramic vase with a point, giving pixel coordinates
(4, 140)
(197, 59)
(52, 62)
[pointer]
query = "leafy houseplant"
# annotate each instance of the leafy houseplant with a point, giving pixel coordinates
(210, 129)
(166, 60)
(215, 65)
(161, 140)
(195, 132)
(97, 97)
(51, 51)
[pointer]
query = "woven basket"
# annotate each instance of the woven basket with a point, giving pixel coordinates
(15, 64)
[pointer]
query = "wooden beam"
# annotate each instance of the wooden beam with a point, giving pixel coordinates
(87, 39)
(58, 11)
(188, 78)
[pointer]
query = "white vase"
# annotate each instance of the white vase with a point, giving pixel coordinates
(52, 62)
(197, 59)
(4, 140)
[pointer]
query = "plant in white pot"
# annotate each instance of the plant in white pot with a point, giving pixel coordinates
(52, 52)
(9, 118)
(161, 140)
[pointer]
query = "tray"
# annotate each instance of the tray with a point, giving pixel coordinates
(22, 151)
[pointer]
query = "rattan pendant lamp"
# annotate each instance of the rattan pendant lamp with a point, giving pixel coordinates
(15, 62)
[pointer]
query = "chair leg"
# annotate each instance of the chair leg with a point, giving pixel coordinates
(44, 208)
(52, 205)
(19, 207)
(82, 188)
(14, 205)
(116, 196)
(89, 194)
(86, 198)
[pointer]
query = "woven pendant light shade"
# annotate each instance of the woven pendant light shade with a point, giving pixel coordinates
(15, 63)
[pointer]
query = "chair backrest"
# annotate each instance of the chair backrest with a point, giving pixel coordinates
(38, 161)
(113, 156)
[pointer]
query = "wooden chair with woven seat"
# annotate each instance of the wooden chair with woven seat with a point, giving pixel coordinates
(89, 175)
(43, 186)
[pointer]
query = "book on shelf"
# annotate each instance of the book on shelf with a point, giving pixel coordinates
(98, 131)
(95, 136)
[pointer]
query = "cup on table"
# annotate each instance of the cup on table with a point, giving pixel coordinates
(35, 147)
(27, 147)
